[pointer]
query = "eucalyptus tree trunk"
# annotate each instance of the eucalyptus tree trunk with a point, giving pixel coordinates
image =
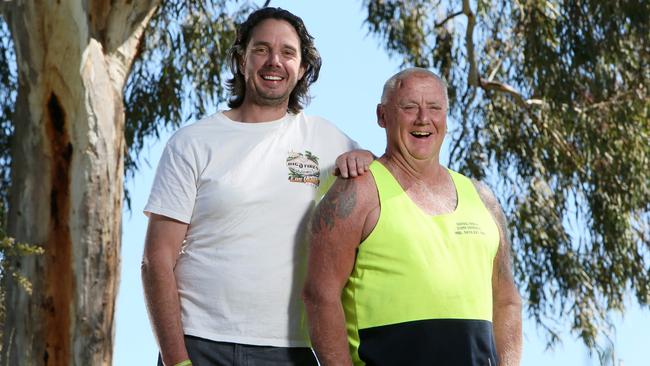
(68, 158)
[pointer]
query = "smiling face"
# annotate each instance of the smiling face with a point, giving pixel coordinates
(271, 64)
(415, 118)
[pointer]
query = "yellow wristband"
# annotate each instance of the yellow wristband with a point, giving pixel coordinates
(184, 363)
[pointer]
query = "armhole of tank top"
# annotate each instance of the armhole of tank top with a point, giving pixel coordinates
(390, 184)
(468, 195)
(463, 186)
(379, 199)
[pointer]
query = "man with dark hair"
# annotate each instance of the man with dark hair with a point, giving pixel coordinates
(224, 256)
(309, 54)
(410, 265)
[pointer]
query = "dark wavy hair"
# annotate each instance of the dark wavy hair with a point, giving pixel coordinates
(310, 58)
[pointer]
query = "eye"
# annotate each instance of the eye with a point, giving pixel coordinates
(410, 107)
(260, 50)
(288, 52)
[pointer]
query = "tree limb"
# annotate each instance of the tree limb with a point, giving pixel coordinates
(616, 99)
(125, 32)
(473, 78)
(448, 18)
(124, 18)
(505, 88)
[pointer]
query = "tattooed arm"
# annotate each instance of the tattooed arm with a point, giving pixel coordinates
(345, 216)
(506, 308)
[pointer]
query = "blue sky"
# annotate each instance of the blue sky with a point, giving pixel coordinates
(354, 70)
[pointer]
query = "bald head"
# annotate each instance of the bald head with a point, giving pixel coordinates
(395, 82)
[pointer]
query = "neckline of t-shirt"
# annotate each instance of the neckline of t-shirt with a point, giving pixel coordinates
(256, 126)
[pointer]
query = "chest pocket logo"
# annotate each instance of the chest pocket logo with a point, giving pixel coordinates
(303, 168)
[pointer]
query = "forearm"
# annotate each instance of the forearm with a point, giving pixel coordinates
(327, 331)
(163, 306)
(508, 334)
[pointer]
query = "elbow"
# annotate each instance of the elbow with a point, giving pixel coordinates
(511, 305)
(507, 297)
(516, 302)
(153, 266)
(512, 302)
(147, 270)
(316, 296)
(145, 266)
(309, 295)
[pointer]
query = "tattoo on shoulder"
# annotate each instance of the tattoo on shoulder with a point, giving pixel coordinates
(338, 203)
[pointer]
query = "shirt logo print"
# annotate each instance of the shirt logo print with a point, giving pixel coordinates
(468, 228)
(303, 168)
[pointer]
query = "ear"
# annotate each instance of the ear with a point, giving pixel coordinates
(241, 63)
(380, 116)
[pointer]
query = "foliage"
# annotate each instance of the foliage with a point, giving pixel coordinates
(10, 249)
(550, 104)
(8, 89)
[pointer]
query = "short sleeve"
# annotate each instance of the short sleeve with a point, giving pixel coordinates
(353, 144)
(174, 187)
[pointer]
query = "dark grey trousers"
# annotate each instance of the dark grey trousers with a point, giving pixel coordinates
(204, 352)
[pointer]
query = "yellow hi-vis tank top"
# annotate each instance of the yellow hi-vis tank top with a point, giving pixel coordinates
(420, 292)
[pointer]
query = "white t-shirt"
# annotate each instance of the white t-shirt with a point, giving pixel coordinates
(247, 191)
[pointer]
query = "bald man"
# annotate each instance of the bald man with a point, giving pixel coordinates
(410, 265)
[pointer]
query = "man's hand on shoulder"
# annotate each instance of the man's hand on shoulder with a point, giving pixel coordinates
(353, 163)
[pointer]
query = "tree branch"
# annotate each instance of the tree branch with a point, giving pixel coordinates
(266, 3)
(473, 78)
(505, 88)
(616, 99)
(125, 29)
(448, 18)
(124, 18)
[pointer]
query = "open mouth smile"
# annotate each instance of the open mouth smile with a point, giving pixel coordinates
(420, 134)
(271, 78)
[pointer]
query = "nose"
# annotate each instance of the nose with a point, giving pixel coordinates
(423, 115)
(273, 59)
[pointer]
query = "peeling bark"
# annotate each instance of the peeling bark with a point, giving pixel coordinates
(73, 60)
(58, 281)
